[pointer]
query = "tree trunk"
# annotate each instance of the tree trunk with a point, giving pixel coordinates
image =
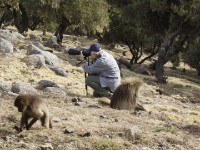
(35, 22)
(16, 19)
(160, 67)
(198, 73)
(61, 29)
(166, 50)
(154, 51)
(2, 19)
(44, 32)
(24, 21)
(6, 14)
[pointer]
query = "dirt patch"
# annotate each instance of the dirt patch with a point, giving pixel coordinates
(178, 104)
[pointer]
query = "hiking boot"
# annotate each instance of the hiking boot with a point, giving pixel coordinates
(96, 94)
(110, 95)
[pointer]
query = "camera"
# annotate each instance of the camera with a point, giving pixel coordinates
(77, 51)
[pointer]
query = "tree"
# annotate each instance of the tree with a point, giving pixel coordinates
(192, 55)
(184, 18)
(87, 17)
(6, 11)
(129, 25)
(174, 22)
(84, 17)
(41, 12)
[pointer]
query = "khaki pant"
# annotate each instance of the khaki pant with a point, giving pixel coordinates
(94, 83)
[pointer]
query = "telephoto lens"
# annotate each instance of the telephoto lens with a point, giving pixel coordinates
(74, 51)
(77, 51)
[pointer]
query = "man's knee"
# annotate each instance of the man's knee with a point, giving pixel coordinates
(91, 79)
(88, 80)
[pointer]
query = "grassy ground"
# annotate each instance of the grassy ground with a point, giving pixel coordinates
(168, 123)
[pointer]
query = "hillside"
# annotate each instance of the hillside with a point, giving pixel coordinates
(171, 120)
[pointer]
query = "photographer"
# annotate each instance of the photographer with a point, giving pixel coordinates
(104, 73)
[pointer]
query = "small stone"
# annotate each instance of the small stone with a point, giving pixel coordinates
(79, 99)
(116, 120)
(47, 146)
(120, 134)
(87, 134)
(56, 119)
(76, 104)
(75, 99)
(107, 136)
(102, 116)
(68, 130)
(132, 133)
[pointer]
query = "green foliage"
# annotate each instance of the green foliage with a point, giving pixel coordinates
(87, 16)
(192, 56)
(176, 60)
(166, 129)
(42, 9)
(4, 4)
(12, 3)
(129, 25)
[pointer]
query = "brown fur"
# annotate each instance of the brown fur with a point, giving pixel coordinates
(32, 106)
(126, 95)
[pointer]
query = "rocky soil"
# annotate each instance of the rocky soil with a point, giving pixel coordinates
(171, 120)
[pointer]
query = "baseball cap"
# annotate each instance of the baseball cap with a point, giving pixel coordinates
(94, 47)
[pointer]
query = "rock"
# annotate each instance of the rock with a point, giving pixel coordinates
(194, 100)
(68, 130)
(36, 60)
(76, 99)
(10, 36)
(23, 88)
(47, 83)
(39, 45)
(46, 146)
(103, 116)
(34, 37)
(192, 128)
(5, 87)
(140, 69)
(87, 134)
(125, 62)
(160, 91)
(32, 49)
(5, 93)
(132, 133)
(57, 91)
(50, 58)
(107, 136)
(56, 119)
(52, 42)
(116, 120)
(77, 104)
(16, 49)
(58, 70)
(63, 49)
(139, 107)
(5, 46)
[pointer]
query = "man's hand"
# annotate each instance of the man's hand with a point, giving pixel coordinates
(82, 59)
(81, 56)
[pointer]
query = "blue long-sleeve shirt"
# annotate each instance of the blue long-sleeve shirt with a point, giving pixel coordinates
(107, 69)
